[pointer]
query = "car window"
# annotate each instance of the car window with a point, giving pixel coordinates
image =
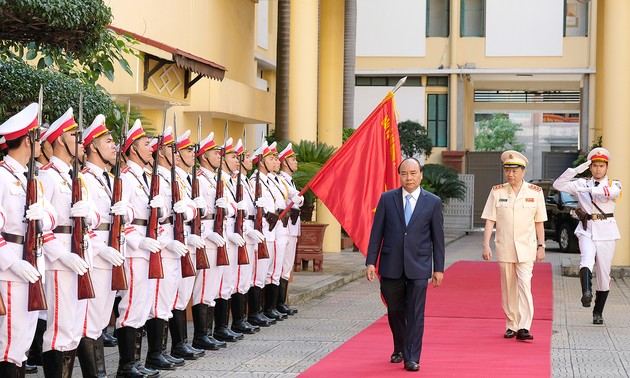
(568, 198)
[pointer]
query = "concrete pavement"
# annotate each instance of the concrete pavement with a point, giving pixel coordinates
(338, 302)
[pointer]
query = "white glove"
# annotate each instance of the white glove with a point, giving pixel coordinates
(180, 206)
(242, 205)
(221, 202)
(157, 201)
(297, 199)
(200, 203)
(177, 247)
(112, 255)
(236, 239)
(584, 189)
(119, 208)
(260, 202)
(195, 241)
(149, 244)
(35, 212)
(256, 235)
(216, 239)
(583, 167)
(80, 209)
(74, 262)
(25, 271)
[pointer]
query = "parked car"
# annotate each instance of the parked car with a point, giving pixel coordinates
(561, 218)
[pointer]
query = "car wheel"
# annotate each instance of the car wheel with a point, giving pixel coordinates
(566, 239)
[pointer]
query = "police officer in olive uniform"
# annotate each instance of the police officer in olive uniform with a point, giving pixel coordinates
(597, 233)
(517, 210)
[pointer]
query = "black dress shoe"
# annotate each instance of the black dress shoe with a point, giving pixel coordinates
(598, 319)
(109, 340)
(412, 366)
(509, 334)
(30, 369)
(396, 357)
(524, 335)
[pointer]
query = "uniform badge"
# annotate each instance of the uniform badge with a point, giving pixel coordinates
(529, 200)
(503, 199)
(17, 183)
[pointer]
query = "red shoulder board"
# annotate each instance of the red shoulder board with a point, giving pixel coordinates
(47, 166)
(126, 169)
(85, 170)
(535, 187)
(496, 187)
(2, 163)
(199, 173)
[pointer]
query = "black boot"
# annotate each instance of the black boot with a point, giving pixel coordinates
(35, 352)
(58, 364)
(221, 330)
(255, 315)
(585, 280)
(140, 333)
(239, 323)
(282, 299)
(175, 360)
(201, 319)
(10, 370)
(271, 301)
(155, 359)
(108, 340)
(180, 347)
(598, 310)
(246, 312)
(127, 351)
(91, 355)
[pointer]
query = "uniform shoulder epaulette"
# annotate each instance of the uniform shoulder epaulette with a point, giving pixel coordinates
(126, 169)
(199, 172)
(497, 187)
(85, 170)
(2, 163)
(535, 187)
(47, 166)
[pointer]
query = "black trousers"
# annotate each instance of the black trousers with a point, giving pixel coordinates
(405, 299)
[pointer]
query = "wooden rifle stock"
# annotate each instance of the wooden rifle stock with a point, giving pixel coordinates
(222, 256)
(188, 269)
(32, 243)
(156, 270)
(119, 279)
(202, 261)
(263, 253)
(79, 230)
(243, 258)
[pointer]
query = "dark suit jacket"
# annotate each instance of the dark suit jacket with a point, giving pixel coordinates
(415, 248)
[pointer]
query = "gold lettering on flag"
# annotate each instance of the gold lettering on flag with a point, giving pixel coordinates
(389, 136)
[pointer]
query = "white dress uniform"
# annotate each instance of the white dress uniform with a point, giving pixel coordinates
(264, 266)
(516, 244)
(230, 273)
(66, 314)
(245, 274)
(186, 284)
(293, 228)
(281, 196)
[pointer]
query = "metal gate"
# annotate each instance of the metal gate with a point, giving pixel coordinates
(554, 163)
(488, 171)
(458, 214)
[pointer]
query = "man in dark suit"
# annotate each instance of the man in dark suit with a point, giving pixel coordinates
(407, 240)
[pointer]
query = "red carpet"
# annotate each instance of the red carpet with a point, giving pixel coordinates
(463, 336)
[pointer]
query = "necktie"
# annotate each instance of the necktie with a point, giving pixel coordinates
(106, 178)
(408, 210)
(144, 176)
(70, 173)
(596, 183)
(189, 179)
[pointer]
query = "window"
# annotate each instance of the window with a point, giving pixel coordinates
(438, 18)
(386, 81)
(437, 81)
(473, 18)
(575, 18)
(437, 119)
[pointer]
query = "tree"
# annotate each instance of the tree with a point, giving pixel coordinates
(414, 139)
(498, 134)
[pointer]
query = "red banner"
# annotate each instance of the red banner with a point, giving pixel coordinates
(352, 181)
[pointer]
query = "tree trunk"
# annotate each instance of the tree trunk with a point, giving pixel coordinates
(349, 59)
(282, 70)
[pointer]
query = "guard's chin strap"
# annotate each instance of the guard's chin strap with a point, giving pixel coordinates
(102, 158)
(287, 165)
(65, 145)
(186, 164)
(45, 156)
(146, 163)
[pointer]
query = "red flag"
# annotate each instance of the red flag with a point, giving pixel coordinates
(352, 180)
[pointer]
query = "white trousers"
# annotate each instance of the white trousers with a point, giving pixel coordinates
(186, 285)
(136, 302)
(227, 287)
(281, 248)
(289, 257)
(65, 314)
(17, 327)
(166, 289)
(516, 294)
(206, 288)
(597, 255)
(263, 266)
(245, 274)
(99, 308)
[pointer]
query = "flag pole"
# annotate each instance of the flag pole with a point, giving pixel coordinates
(400, 83)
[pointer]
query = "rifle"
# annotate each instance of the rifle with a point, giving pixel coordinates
(119, 279)
(156, 270)
(79, 227)
(263, 253)
(222, 256)
(243, 258)
(33, 239)
(188, 269)
(202, 261)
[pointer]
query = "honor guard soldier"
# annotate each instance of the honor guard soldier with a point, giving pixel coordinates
(518, 211)
(101, 154)
(178, 324)
(208, 281)
(135, 303)
(21, 136)
(264, 199)
(288, 166)
(245, 273)
(597, 232)
(66, 313)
